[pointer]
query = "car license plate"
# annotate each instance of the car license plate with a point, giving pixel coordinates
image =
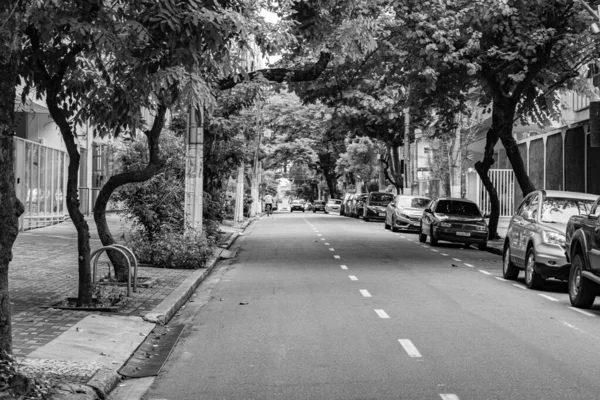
(463, 234)
(382, 214)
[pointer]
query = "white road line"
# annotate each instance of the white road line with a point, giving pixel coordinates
(443, 254)
(457, 259)
(352, 278)
(336, 257)
(326, 244)
(402, 237)
(547, 297)
(469, 265)
(319, 234)
(322, 238)
(484, 272)
(365, 293)
(343, 267)
(501, 279)
(410, 348)
(519, 286)
(382, 314)
(582, 311)
(434, 250)
(409, 240)
(448, 396)
(331, 249)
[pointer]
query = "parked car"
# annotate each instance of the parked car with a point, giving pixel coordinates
(333, 205)
(358, 207)
(319, 205)
(535, 239)
(297, 205)
(405, 212)
(453, 220)
(583, 252)
(343, 203)
(308, 206)
(375, 204)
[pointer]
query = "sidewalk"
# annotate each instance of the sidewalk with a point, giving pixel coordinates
(73, 346)
(497, 246)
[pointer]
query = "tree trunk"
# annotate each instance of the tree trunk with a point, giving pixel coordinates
(10, 207)
(86, 289)
(155, 164)
(500, 110)
(516, 161)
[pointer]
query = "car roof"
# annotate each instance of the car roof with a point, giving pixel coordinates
(410, 196)
(569, 195)
(455, 199)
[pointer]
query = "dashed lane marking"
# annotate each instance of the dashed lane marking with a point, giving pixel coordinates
(343, 267)
(582, 311)
(382, 314)
(322, 238)
(469, 265)
(353, 278)
(548, 297)
(402, 237)
(449, 396)
(336, 257)
(519, 286)
(484, 272)
(501, 279)
(319, 234)
(410, 348)
(434, 250)
(443, 254)
(331, 249)
(365, 293)
(326, 244)
(457, 259)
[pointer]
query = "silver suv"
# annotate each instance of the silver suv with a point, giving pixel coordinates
(535, 240)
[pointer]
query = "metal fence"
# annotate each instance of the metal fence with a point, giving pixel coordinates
(504, 182)
(41, 183)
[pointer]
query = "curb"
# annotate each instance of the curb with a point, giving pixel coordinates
(105, 381)
(493, 250)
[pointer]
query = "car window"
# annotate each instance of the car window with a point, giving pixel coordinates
(412, 202)
(559, 210)
(381, 198)
(524, 205)
(529, 208)
(457, 207)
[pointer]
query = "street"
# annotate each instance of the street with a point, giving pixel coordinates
(318, 306)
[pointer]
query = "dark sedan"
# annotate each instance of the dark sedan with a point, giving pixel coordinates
(319, 205)
(375, 205)
(454, 220)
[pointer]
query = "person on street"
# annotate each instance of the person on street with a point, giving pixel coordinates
(268, 199)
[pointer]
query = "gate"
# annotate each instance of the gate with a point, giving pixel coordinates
(504, 182)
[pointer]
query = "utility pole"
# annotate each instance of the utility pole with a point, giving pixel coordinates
(255, 206)
(194, 163)
(406, 151)
(238, 215)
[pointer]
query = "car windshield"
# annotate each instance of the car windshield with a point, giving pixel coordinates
(381, 198)
(457, 207)
(414, 202)
(335, 201)
(559, 210)
(297, 202)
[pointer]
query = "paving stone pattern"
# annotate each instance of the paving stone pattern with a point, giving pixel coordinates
(44, 272)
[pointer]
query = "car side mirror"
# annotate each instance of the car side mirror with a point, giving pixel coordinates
(529, 215)
(393, 205)
(593, 216)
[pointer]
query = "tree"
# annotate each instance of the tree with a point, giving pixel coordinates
(359, 162)
(517, 53)
(11, 208)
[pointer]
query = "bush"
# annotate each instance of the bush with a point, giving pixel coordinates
(173, 249)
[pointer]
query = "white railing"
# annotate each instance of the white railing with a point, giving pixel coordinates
(504, 182)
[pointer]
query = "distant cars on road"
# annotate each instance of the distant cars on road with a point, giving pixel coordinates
(297, 205)
(318, 205)
(405, 212)
(536, 236)
(333, 205)
(453, 220)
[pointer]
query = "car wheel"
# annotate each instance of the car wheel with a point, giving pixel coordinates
(582, 292)
(509, 270)
(422, 236)
(532, 279)
(482, 246)
(314, 211)
(394, 229)
(432, 239)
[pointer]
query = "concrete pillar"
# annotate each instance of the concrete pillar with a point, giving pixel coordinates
(194, 177)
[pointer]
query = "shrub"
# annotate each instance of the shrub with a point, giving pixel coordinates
(172, 249)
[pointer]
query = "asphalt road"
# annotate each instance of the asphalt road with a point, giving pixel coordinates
(326, 307)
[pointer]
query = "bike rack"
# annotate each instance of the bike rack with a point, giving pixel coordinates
(127, 253)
